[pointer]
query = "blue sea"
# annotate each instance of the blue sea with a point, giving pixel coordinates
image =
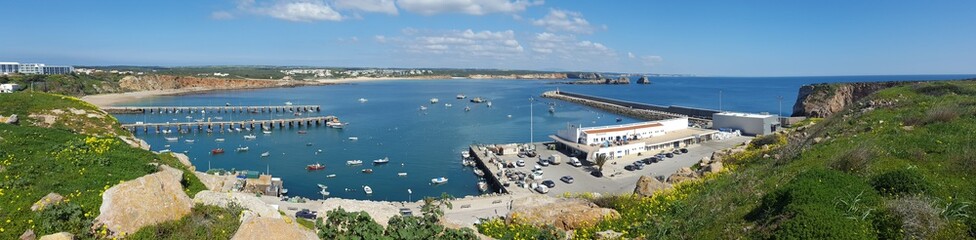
(426, 144)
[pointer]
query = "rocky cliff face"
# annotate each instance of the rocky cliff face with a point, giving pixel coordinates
(164, 82)
(823, 99)
(643, 80)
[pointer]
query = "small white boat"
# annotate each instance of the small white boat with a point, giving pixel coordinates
(467, 109)
(510, 116)
(218, 118)
(167, 131)
(353, 138)
(238, 129)
(382, 161)
(482, 186)
(250, 137)
(334, 124)
(266, 132)
(288, 103)
(189, 141)
(325, 193)
(461, 96)
(434, 100)
(363, 100)
(368, 190)
(265, 154)
(219, 140)
(448, 105)
(322, 186)
(354, 162)
(479, 173)
(489, 104)
(439, 180)
(164, 151)
(465, 154)
(403, 174)
(166, 146)
(172, 139)
(189, 117)
(423, 108)
(552, 109)
(243, 149)
(331, 175)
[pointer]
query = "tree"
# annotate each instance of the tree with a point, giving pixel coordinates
(601, 159)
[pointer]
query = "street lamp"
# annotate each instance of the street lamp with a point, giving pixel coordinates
(409, 195)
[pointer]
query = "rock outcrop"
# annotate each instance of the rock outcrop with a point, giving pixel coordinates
(147, 200)
(166, 82)
(647, 186)
(584, 75)
(48, 200)
(381, 212)
(12, 119)
(246, 200)
(563, 213)
(261, 228)
(643, 80)
(608, 81)
(28, 235)
(58, 236)
(823, 99)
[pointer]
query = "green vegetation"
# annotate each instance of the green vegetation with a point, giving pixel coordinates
(68, 84)
(205, 222)
(57, 110)
(340, 224)
(35, 161)
(899, 169)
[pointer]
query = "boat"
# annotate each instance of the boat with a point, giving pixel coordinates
(266, 132)
(217, 151)
(461, 96)
(302, 132)
(510, 116)
(219, 140)
(167, 131)
(316, 166)
(368, 190)
(354, 162)
(172, 139)
(619, 120)
(325, 193)
(368, 170)
(465, 154)
(288, 103)
(166, 146)
(334, 124)
(489, 104)
(479, 172)
(218, 118)
(448, 105)
(423, 108)
(353, 138)
(238, 129)
(265, 154)
(477, 100)
(189, 141)
(382, 161)
(242, 149)
(439, 180)
(322, 186)
(552, 109)
(362, 100)
(284, 191)
(308, 144)
(467, 109)
(434, 100)
(403, 174)
(250, 137)
(165, 151)
(331, 175)
(482, 186)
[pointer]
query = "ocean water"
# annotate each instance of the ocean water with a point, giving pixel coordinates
(427, 143)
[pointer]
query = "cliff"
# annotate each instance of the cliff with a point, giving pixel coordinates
(643, 80)
(520, 76)
(823, 99)
(165, 82)
(608, 81)
(584, 76)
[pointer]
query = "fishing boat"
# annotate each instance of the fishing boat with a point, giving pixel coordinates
(368, 190)
(167, 131)
(489, 103)
(316, 166)
(363, 100)
(322, 186)
(384, 160)
(354, 162)
(238, 129)
(166, 146)
(217, 151)
(331, 175)
(165, 151)
(308, 144)
(325, 193)
(250, 137)
(510, 116)
(620, 119)
(172, 139)
(218, 118)
(434, 100)
(465, 154)
(353, 138)
(482, 186)
(189, 141)
(467, 109)
(288, 103)
(265, 154)
(243, 149)
(302, 132)
(219, 140)
(439, 180)
(479, 173)
(477, 100)
(334, 124)
(461, 96)
(552, 109)
(448, 105)
(423, 108)
(403, 174)
(368, 170)
(266, 132)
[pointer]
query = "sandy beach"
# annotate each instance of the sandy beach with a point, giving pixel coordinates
(110, 99)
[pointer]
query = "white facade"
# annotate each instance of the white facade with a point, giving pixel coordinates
(33, 68)
(57, 69)
(9, 67)
(606, 135)
(9, 87)
(620, 140)
(747, 123)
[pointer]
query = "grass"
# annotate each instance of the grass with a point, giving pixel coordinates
(857, 184)
(25, 103)
(205, 222)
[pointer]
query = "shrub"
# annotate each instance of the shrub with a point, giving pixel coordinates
(919, 218)
(64, 217)
(941, 114)
(855, 160)
(901, 181)
(764, 140)
(820, 221)
(204, 222)
(940, 89)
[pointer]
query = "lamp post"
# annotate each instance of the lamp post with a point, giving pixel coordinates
(409, 195)
(531, 119)
(719, 100)
(780, 99)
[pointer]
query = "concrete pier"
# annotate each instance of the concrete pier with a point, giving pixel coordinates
(214, 109)
(220, 126)
(698, 116)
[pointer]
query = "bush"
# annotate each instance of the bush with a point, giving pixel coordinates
(854, 161)
(899, 182)
(64, 217)
(917, 217)
(764, 140)
(204, 222)
(940, 89)
(820, 221)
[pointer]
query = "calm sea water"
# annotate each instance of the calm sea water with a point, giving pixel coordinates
(427, 144)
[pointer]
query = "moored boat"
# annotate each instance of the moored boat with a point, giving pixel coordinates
(384, 160)
(368, 170)
(434, 100)
(461, 96)
(265, 154)
(302, 132)
(465, 154)
(217, 151)
(467, 109)
(482, 186)
(423, 108)
(479, 172)
(189, 141)
(368, 190)
(266, 132)
(325, 193)
(489, 103)
(331, 175)
(250, 137)
(219, 140)
(477, 100)
(552, 109)
(403, 174)
(243, 149)
(439, 180)
(172, 139)
(353, 138)
(322, 186)
(448, 105)
(363, 100)
(316, 166)
(354, 162)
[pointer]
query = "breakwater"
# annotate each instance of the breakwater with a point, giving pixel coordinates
(212, 109)
(634, 109)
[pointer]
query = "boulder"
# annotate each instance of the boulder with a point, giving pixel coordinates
(50, 199)
(28, 235)
(12, 119)
(607, 235)
(563, 213)
(245, 200)
(817, 140)
(715, 167)
(185, 160)
(147, 200)
(643, 80)
(647, 186)
(58, 236)
(272, 228)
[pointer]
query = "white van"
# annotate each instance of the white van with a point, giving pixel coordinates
(575, 162)
(542, 189)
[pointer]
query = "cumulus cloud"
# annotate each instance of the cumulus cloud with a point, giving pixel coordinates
(379, 6)
(472, 7)
(631, 55)
(292, 10)
(564, 21)
(467, 43)
(221, 15)
(380, 38)
(650, 61)
(568, 47)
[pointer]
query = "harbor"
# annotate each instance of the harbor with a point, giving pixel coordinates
(186, 127)
(211, 109)
(699, 116)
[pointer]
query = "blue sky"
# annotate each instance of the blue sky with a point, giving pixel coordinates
(732, 38)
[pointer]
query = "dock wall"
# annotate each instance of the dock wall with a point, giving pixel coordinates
(635, 109)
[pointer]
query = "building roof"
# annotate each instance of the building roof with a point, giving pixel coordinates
(747, 115)
(621, 128)
(10, 63)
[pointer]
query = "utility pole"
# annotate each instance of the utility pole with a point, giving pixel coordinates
(719, 100)
(780, 99)
(531, 119)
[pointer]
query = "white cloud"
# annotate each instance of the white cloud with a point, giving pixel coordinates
(650, 61)
(349, 40)
(221, 15)
(380, 6)
(631, 55)
(567, 47)
(380, 38)
(305, 11)
(472, 7)
(466, 44)
(564, 21)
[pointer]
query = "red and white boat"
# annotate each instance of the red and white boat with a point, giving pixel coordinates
(316, 166)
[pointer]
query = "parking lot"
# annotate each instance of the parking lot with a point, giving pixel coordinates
(616, 180)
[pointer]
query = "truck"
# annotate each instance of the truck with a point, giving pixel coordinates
(554, 159)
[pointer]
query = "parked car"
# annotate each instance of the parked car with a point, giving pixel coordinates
(530, 154)
(670, 155)
(306, 214)
(406, 212)
(566, 179)
(543, 162)
(629, 167)
(638, 166)
(676, 152)
(549, 183)
(683, 150)
(542, 189)
(596, 173)
(639, 163)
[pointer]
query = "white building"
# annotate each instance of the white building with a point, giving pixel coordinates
(33, 68)
(620, 140)
(9, 67)
(9, 87)
(747, 123)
